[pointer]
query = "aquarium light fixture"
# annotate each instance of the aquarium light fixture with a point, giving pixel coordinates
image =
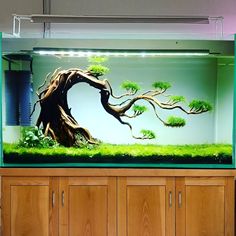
(122, 19)
(119, 53)
(44, 18)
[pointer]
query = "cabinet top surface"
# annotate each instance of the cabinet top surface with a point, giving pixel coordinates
(114, 172)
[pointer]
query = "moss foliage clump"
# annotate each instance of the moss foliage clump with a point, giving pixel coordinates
(176, 99)
(96, 68)
(148, 134)
(161, 85)
(130, 86)
(97, 59)
(174, 121)
(139, 109)
(198, 105)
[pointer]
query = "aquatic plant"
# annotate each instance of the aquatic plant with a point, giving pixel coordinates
(34, 137)
(175, 99)
(130, 86)
(161, 85)
(58, 122)
(97, 59)
(174, 121)
(147, 134)
(139, 109)
(97, 70)
(133, 153)
(198, 105)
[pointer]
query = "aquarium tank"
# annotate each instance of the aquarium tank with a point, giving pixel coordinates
(118, 103)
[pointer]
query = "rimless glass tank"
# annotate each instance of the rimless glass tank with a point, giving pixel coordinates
(118, 103)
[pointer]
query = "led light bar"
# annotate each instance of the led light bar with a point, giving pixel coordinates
(117, 53)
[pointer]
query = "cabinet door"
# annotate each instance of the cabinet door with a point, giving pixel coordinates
(146, 206)
(27, 209)
(205, 206)
(88, 206)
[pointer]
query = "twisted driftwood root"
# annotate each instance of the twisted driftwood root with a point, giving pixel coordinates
(55, 115)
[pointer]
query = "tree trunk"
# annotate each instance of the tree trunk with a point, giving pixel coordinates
(55, 115)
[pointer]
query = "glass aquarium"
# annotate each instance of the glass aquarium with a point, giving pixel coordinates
(118, 103)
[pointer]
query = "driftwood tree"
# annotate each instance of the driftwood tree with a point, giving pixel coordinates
(56, 118)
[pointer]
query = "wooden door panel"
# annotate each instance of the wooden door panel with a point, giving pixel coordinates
(89, 207)
(205, 210)
(88, 210)
(29, 210)
(146, 210)
(146, 207)
(203, 205)
(26, 207)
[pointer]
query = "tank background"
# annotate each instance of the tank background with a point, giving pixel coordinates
(201, 78)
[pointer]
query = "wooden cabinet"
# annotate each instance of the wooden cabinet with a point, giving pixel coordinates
(146, 206)
(26, 207)
(50, 206)
(117, 203)
(88, 206)
(205, 206)
(165, 206)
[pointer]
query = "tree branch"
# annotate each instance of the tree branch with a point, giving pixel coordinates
(120, 103)
(121, 96)
(154, 92)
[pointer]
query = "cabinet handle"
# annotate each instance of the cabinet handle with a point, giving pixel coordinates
(180, 199)
(63, 198)
(53, 198)
(170, 199)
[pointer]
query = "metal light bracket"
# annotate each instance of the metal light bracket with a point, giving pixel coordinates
(17, 23)
(47, 19)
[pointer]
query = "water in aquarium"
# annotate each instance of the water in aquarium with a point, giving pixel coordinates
(117, 106)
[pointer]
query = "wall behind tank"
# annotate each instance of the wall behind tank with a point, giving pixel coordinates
(194, 78)
(23, 7)
(227, 9)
